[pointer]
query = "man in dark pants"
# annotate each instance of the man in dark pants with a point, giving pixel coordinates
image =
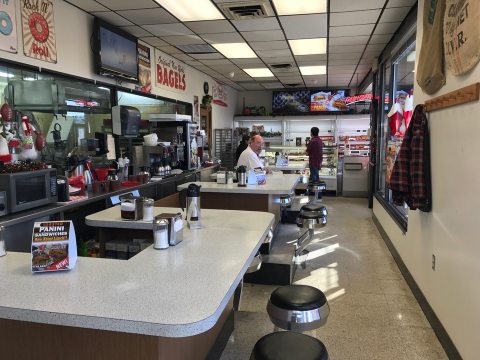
(315, 154)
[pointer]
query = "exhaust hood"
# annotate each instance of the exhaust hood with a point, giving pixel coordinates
(170, 117)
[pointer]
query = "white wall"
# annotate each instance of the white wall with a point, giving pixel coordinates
(73, 29)
(450, 231)
(254, 98)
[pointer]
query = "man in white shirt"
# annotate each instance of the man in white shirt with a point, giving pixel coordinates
(249, 156)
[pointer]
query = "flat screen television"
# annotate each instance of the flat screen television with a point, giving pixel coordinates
(291, 102)
(328, 100)
(115, 51)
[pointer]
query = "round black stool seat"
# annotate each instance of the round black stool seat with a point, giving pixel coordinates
(320, 184)
(314, 207)
(298, 307)
(286, 345)
(298, 297)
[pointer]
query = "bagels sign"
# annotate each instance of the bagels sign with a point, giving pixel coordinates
(170, 73)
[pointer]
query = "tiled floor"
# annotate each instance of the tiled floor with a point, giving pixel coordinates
(373, 314)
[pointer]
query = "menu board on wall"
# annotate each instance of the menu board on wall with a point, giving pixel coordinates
(38, 30)
(170, 73)
(8, 26)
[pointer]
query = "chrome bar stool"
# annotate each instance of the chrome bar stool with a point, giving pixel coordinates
(287, 345)
(311, 216)
(316, 188)
(254, 266)
(285, 202)
(298, 308)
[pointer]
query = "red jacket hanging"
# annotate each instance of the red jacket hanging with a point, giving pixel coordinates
(411, 180)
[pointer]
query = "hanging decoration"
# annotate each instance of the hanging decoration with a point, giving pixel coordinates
(8, 26)
(39, 30)
(408, 110)
(395, 116)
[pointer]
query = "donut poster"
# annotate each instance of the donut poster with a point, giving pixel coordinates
(38, 30)
(8, 26)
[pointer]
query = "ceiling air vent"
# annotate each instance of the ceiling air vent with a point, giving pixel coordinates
(197, 49)
(294, 85)
(245, 10)
(281, 67)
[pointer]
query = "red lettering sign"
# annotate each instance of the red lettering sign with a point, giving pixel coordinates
(170, 77)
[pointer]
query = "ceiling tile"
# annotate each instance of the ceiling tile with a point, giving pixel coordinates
(317, 57)
(333, 67)
(210, 27)
(272, 85)
(207, 56)
(193, 62)
(168, 49)
(375, 47)
(112, 18)
(399, 3)
(289, 78)
(387, 28)
(242, 62)
(279, 60)
(87, 5)
(337, 83)
(395, 14)
(128, 4)
(182, 57)
(222, 38)
(251, 86)
(344, 56)
(202, 67)
(304, 26)
(148, 16)
(380, 39)
(343, 61)
(183, 40)
(270, 23)
(345, 49)
(349, 5)
(154, 41)
(168, 29)
(291, 74)
(348, 40)
(225, 69)
(268, 45)
(310, 63)
(336, 31)
(136, 31)
(273, 53)
(216, 62)
(263, 35)
(354, 17)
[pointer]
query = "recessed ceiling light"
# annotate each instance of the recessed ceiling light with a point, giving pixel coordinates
(186, 11)
(313, 70)
(235, 50)
(289, 7)
(259, 72)
(309, 46)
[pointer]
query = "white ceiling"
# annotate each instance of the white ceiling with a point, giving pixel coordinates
(357, 32)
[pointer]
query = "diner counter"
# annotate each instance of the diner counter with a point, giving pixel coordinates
(177, 292)
(292, 166)
(277, 184)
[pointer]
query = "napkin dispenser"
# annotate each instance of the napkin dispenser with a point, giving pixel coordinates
(175, 227)
(221, 177)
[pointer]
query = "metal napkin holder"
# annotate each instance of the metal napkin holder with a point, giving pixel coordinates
(174, 236)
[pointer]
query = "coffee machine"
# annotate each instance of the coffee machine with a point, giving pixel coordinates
(156, 157)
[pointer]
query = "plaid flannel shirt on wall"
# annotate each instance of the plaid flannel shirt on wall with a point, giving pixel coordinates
(410, 181)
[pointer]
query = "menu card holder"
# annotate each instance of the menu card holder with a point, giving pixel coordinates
(54, 246)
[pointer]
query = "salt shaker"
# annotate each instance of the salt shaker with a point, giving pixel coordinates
(147, 209)
(160, 233)
(3, 252)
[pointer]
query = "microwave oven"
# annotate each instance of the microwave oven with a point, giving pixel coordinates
(29, 189)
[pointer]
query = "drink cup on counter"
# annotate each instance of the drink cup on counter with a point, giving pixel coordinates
(140, 178)
(98, 187)
(115, 185)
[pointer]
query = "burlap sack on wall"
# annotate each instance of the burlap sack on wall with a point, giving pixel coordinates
(462, 35)
(430, 69)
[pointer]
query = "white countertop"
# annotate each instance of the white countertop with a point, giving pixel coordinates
(278, 184)
(177, 292)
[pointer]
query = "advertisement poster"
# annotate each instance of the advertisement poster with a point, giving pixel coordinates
(169, 73)
(390, 156)
(328, 101)
(144, 69)
(291, 102)
(38, 30)
(220, 96)
(196, 109)
(8, 26)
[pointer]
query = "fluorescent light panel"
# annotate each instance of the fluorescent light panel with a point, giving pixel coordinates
(235, 50)
(259, 72)
(187, 10)
(295, 7)
(309, 46)
(313, 70)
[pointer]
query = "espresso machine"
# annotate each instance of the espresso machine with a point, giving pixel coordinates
(156, 158)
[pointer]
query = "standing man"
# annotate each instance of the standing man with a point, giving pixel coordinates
(249, 156)
(241, 147)
(315, 154)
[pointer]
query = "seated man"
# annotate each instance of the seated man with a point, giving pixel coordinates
(249, 156)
